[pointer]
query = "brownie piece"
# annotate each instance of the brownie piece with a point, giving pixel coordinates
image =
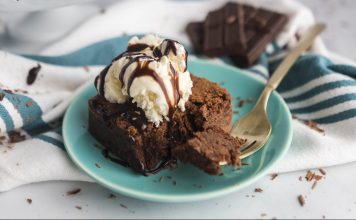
(210, 149)
(124, 130)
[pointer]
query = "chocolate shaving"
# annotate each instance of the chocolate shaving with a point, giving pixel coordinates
(2, 95)
(313, 125)
(123, 206)
(322, 171)
(78, 207)
(32, 74)
(73, 192)
(16, 136)
(258, 190)
(310, 176)
(301, 200)
(29, 201)
(314, 184)
(274, 176)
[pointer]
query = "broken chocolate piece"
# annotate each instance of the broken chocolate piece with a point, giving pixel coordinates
(32, 74)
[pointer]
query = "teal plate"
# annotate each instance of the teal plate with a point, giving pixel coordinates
(186, 183)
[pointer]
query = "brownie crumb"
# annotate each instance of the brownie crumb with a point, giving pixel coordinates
(112, 196)
(78, 207)
(123, 206)
(301, 200)
(322, 171)
(2, 95)
(29, 201)
(16, 136)
(174, 183)
(317, 177)
(313, 125)
(241, 103)
(314, 184)
(73, 192)
(97, 165)
(32, 74)
(258, 190)
(29, 104)
(274, 176)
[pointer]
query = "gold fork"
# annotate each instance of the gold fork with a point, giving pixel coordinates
(255, 126)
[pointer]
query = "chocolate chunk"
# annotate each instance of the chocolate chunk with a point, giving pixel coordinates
(32, 74)
(224, 31)
(237, 30)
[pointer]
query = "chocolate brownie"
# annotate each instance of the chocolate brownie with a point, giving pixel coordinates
(209, 149)
(124, 130)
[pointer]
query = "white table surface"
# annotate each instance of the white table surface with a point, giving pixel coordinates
(334, 196)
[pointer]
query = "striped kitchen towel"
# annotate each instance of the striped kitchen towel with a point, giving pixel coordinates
(320, 89)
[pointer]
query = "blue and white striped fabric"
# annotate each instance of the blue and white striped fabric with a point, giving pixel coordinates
(321, 87)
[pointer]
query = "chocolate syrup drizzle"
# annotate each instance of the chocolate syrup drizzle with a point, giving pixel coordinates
(134, 55)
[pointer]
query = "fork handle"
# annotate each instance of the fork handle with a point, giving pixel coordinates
(289, 60)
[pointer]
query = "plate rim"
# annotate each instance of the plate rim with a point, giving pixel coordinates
(182, 198)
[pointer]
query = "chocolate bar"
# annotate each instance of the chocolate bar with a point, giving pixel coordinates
(239, 31)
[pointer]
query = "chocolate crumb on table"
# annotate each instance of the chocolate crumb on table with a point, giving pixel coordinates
(322, 171)
(313, 125)
(301, 200)
(314, 184)
(29, 201)
(32, 74)
(274, 176)
(112, 196)
(78, 207)
(123, 206)
(74, 192)
(258, 190)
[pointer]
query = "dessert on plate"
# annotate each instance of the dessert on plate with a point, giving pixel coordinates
(150, 111)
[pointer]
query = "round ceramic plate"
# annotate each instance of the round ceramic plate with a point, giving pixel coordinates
(186, 183)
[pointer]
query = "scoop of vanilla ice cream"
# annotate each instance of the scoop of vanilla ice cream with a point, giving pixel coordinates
(151, 79)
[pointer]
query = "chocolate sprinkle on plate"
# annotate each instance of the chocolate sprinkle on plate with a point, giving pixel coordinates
(32, 74)
(73, 192)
